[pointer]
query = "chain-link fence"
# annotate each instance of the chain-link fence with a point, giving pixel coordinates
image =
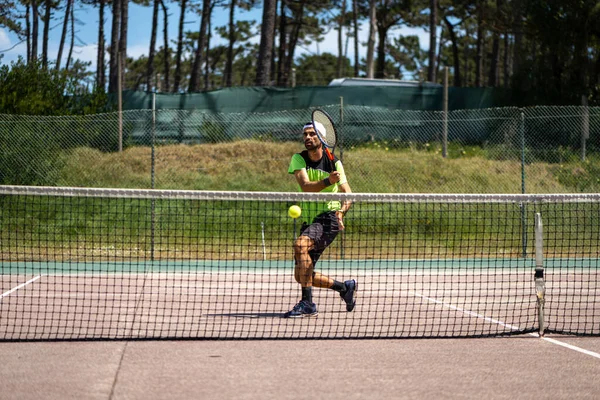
(503, 150)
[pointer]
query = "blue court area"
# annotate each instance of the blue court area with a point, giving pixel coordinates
(443, 266)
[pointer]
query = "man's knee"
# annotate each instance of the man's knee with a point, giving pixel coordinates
(302, 245)
(302, 275)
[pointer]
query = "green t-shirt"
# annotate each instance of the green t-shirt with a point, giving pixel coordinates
(317, 171)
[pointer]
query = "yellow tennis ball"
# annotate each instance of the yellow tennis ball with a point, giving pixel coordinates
(294, 211)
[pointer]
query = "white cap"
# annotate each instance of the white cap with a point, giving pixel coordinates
(320, 127)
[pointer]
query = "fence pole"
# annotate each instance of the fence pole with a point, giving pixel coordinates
(153, 136)
(523, 205)
(152, 177)
(120, 100)
(585, 125)
(340, 141)
(522, 129)
(340, 129)
(445, 129)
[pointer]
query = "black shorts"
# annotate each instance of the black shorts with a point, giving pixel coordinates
(322, 231)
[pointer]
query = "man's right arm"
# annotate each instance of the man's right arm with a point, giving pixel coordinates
(315, 186)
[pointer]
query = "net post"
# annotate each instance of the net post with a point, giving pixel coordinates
(540, 285)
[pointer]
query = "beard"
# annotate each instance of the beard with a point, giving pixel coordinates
(310, 145)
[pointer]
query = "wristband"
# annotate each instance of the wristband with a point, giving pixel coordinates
(326, 182)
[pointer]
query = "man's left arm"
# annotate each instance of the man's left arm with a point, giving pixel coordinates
(343, 187)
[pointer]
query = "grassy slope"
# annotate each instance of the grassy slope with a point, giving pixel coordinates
(261, 166)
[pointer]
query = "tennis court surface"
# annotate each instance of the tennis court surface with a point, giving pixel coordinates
(105, 293)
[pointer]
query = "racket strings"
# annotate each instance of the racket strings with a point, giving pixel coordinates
(330, 136)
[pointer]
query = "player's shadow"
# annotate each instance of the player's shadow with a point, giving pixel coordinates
(260, 315)
(248, 315)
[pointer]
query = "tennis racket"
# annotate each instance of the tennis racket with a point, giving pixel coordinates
(326, 132)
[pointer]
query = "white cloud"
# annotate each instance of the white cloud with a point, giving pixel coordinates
(10, 50)
(4, 39)
(138, 50)
(329, 44)
(86, 53)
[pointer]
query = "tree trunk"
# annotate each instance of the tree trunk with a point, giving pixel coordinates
(195, 75)
(438, 57)
(372, 38)
(289, 60)
(518, 29)
(229, 60)
(35, 29)
(380, 63)
(152, 50)
(506, 60)
(177, 78)
(28, 31)
(47, 15)
(355, 25)
(100, 74)
(431, 70)
(114, 46)
(70, 56)
(123, 40)
(342, 21)
(455, 55)
(273, 70)
(166, 61)
(267, 30)
(480, 45)
(63, 35)
(494, 61)
(208, 37)
(282, 45)
(581, 59)
(466, 59)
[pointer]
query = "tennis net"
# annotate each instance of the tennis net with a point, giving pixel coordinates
(83, 263)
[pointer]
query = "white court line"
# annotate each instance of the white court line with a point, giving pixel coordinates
(512, 327)
(474, 314)
(568, 346)
(20, 286)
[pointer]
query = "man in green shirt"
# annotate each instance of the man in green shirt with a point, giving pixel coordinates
(314, 172)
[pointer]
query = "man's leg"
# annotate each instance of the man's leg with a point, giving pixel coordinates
(303, 273)
(347, 290)
(304, 266)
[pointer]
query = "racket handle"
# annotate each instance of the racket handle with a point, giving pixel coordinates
(330, 156)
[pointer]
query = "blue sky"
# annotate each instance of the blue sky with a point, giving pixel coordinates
(140, 27)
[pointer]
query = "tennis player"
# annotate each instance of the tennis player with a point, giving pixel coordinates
(314, 172)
